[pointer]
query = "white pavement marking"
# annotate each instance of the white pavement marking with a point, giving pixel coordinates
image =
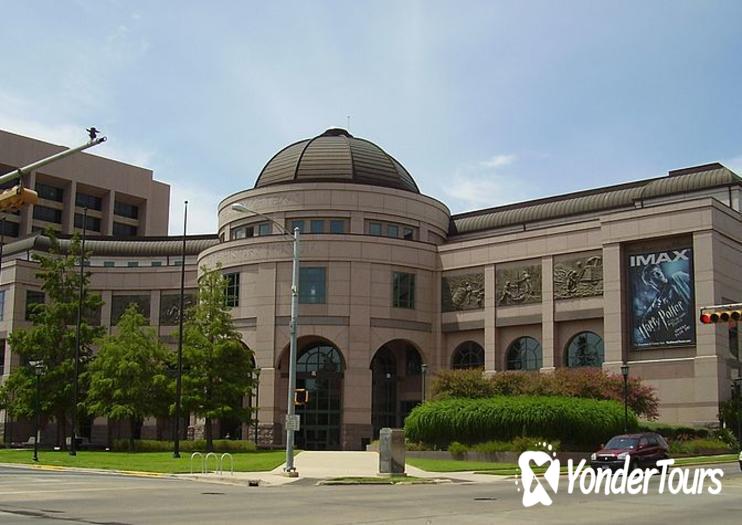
(96, 489)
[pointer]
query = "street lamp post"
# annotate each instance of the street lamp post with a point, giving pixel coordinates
(181, 314)
(73, 441)
(625, 374)
(424, 374)
(257, 402)
(737, 399)
(291, 418)
(38, 371)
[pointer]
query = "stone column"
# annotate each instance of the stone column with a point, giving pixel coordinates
(490, 315)
(614, 336)
(548, 328)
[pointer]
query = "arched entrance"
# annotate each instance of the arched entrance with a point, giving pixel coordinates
(396, 384)
(319, 371)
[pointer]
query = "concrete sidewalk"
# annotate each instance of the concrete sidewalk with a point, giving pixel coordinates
(319, 465)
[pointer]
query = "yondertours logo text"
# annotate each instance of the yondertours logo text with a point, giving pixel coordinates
(543, 488)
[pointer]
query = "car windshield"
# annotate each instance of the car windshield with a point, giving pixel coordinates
(622, 442)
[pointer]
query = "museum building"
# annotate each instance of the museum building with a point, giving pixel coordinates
(393, 287)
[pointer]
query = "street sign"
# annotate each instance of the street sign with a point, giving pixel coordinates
(293, 422)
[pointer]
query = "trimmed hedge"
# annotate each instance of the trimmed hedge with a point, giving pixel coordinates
(575, 421)
(153, 445)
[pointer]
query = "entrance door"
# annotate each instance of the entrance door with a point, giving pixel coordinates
(319, 371)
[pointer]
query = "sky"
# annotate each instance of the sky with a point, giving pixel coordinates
(485, 103)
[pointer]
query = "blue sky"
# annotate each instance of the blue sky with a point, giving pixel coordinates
(485, 103)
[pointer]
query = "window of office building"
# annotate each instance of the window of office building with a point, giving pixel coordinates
(232, 291)
(43, 213)
(124, 209)
(33, 298)
(468, 355)
(132, 264)
(403, 290)
(524, 354)
(264, 228)
(156, 263)
(2, 305)
(84, 200)
(392, 230)
(9, 228)
(91, 223)
(374, 228)
(297, 223)
(124, 230)
(49, 192)
(2, 357)
(312, 283)
(337, 226)
(317, 226)
(108, 264)
(585, 349)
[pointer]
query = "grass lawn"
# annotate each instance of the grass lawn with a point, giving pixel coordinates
(145, 461)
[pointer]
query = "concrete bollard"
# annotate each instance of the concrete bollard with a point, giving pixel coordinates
(391, 452)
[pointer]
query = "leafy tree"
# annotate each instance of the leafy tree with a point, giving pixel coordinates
(128, 377)
(217, 366)
(51, 338)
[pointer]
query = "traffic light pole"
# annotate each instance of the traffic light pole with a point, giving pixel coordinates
(18, 173)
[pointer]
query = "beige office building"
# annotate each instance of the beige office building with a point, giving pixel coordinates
(394, 288)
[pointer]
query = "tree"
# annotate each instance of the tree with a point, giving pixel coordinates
(128, 377)
(217, 366)
(51, 338)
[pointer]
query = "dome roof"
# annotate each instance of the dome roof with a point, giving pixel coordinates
(336, 156)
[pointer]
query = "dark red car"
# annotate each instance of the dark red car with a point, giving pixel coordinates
(644, 450)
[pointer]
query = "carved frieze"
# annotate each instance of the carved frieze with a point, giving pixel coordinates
(119, 303)
(578, 277)
(518, 285)
(462, 292)
(170, 307)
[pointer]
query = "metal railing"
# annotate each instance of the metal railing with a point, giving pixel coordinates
(219, 462)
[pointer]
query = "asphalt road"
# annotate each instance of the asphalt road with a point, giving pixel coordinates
(46, 497)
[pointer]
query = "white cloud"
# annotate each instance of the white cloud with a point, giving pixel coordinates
(202, 203)
(485, 184)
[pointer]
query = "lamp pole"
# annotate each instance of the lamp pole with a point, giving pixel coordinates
(737, 397)
(424, 374)
(73, 441)
(625, 374)
(291, 422)
(37, 370)
(257, 402)
(178, 381)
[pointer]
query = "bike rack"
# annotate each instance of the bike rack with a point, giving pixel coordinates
(206, 463)
(193, 456)
(231, 463)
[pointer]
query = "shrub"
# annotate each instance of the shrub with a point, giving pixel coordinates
(695, 447)
(153, 445)
(457, 450)
(583, 422)
(590, 383)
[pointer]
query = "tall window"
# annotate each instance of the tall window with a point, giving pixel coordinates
(374, 228)
(232, 292)
(44, 213)
(734, 339)
(337, 226)
(83, 200)
(125, 209)
(91, 223)
(2, 356)
(49, 192)
(33, 298)
(413, 362)
(124, 230)
(312, 285)
(317, 226)
(468, 355)
(585, 349)
(524, 354)
(2, 305)
(264, 228)
(403, 290)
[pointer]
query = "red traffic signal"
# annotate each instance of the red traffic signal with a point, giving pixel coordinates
(721, 314)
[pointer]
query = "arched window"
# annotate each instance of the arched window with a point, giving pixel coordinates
(524, 354)
(319, 358)
(585, 349)
(468, 355)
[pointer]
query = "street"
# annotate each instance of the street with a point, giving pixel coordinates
(29, 496)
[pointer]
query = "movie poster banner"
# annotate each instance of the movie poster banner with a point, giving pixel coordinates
(662, 304)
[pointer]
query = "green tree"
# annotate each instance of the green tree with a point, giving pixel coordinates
(51, 338)
(217, 366)
(128, 376)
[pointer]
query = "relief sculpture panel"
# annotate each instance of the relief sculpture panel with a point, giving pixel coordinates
(518, 285)
(578, 277)
(462, 292)
(170, 307)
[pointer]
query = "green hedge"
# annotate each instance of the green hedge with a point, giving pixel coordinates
(575, 421)
(152, 445)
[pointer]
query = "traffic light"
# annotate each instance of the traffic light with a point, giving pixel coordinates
(301, 397)
(721, 314)
(17, 197)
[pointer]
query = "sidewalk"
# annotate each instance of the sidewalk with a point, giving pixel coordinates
(319, 465)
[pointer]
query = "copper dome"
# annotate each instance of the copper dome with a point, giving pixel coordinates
(336, 156)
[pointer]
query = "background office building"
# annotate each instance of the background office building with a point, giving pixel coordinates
(392, 285)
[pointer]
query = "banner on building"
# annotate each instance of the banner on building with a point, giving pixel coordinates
(661, 298)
